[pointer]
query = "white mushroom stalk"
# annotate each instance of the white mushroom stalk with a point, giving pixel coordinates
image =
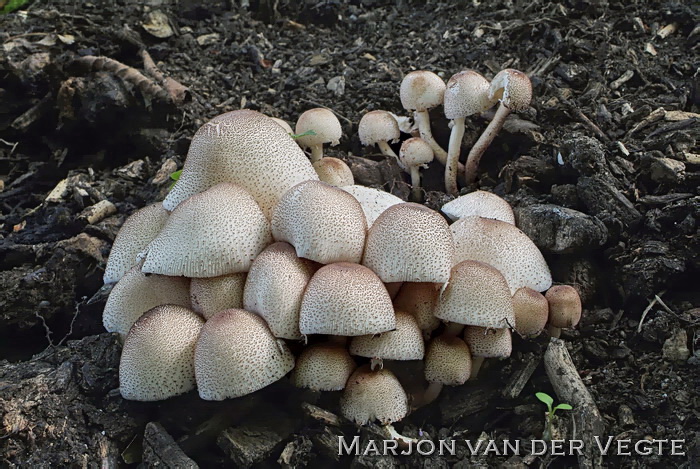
(380, 128)
(415, 153)
(316, 127)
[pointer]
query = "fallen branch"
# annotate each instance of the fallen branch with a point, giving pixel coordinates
(178, 92)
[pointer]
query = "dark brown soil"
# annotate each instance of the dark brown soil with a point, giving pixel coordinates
(612, 134)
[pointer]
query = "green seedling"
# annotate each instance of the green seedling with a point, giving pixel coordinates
(549, 401)
(308, 132)
(175, 176)
(11, 5)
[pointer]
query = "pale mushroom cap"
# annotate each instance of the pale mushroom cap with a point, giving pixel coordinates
(137, 231)
(283, 123)
(477, 294)
(403, 343)
(334, 172)
(488, 343)
(467, 93)
(513, 88)
(275, 286)
(378, 126)
(347, 300)
(323, 367)
(373, 395)
(564, 306)
(410, 243)
(214, 294)
(373, 201)
(419, 299)
(421, 90)
(481, 204)
(136, 293)
(415, 152)
(323, 223)
(216, 232)
(246, 148)
(447, 361)
(503, 246)
(236, 354)
(157, 360)
(531, 312)
(323, 123)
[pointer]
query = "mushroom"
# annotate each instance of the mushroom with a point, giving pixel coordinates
(487, 343)
(481, 204)
(405, 342)
(514, 90)
(373, 201)
(419, 299)
(447, 362)
(564, 308)
(316, 127)
(380, 128)
(415, 153)
(334, 172)
(373, 395)
(323, 367)
(211, 295)
(282, 123)
(531, 312)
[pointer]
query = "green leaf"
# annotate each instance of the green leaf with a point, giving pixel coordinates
(176, 175)
(12, 5)
(563, 407)
(546, 398)
(308, 132)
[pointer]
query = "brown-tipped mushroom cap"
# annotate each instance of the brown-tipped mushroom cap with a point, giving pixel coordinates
(419, 299)
(137, 231)
(236, 354)
(410, 243)
(531, 312)
(323, 367)
(421, 90)
(214, 294)
(157, 360)
(216, 232)
(325, 126)
(488, 343)
(415, 152)
(447, 361)
(467, 93)
(564, 306)
(334, 172)
(503, 246)
(373, 201)
(373, 395)
(347, 300)
(275, 286)
(481, 204)
(136, 293)
(323, 223)
(403, 343)
(513, 88)
(378, 126)
(477, 294)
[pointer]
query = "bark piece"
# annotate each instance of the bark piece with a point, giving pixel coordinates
(159, 449)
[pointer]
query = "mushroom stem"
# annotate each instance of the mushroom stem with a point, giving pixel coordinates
(386, 150)
(415, 184)
(554, 331)
(429, 395)
(476, 366)
(453, 155)
(483, 143)
(404, 441)
(316, 152)
(422, 120)
(453, 329)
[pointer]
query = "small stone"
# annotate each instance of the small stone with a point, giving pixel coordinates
(207, 39)
(625, 416)
(561, 230)
(675, 348)
(337, 85)
(667, 170)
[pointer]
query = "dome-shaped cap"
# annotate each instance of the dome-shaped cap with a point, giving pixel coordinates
(347, 300)
(136, 293)
(513, 88)
(246, 148)
(403, 343)
(531, 312)
(323, 367)
(373, 395)
(421, 90)
(467, 93)
(447, 361)
(275, 286)
(488, 343)
(481, 204)
(378, 126)
(324, 125)
(214, 294)
(416, 152)
(334, 172)
(137, 231)
(564, 306)
(419, 299)
(410, 243)
(323, 223)
(216, 232)
(477, 294)
(157, 360)
(373, 201)
(503, 246)
(236, 354)
(283, 123)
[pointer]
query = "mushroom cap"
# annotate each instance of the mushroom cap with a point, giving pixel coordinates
(323, 123)
(334, 172)
(416, 152)
(410, 243)
(323, 367)
(236, 354)
(503, 246)
(378, 126)
(275, 286)
(214, 294)
(135, 293)
(476, 294)
(419, 299)
(531, 312)
(137, 231)
(447, 361)
(481, 204)
(216, 232)
(421, 90)
(283, 123)
(488, 343)
(157, 360)
(564, 306)
(467, 93)
(323, 223)
(373, 201)
(246, 148)
(373, 395)
(513, 88)
(403, 343)
(348, 300)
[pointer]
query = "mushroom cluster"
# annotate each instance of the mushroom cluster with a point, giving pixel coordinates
(250, 252)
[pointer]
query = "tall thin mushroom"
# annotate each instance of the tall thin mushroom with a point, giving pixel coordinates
(420, 91)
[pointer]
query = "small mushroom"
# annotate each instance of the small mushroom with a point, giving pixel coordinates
(380, 128)
(373, 395)
(448, 361)
(373, 201)
(405, 342)
(316, 127)
(214, 294)
(564, 308)
(481, 204)
(415, 153)
(282, 123)
(419, 299)
(531, 312)
(334, 172)
(487, 343)
(323, 367)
